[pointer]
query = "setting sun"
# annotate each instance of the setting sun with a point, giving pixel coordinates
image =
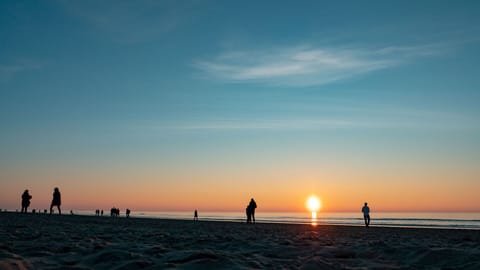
(313, 203)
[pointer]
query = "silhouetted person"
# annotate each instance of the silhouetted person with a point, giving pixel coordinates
(101, 212)
(248, 212)
(114, 212)
(97, 212)
(25, 201)
(195, 215)
(366, 214)
(56, 201)
(252, 205)
(127, 212)
(71, 212)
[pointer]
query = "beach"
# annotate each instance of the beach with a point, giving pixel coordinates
(39, 241)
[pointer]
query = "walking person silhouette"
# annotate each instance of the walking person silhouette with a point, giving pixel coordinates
(56, 201)
(25, 201)
(366, 214)
(250, 211)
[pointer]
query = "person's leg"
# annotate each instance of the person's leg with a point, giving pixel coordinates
(365, 219)
(59, 210)
(368, 220)
(253, 217)
(51, 209)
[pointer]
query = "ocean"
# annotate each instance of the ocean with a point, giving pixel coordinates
(449, 220)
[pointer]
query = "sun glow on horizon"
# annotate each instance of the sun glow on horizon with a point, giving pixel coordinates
(313, 203)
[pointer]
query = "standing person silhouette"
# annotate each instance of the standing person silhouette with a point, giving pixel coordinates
(56, 201)
(366, 214)
(25, 201)
(195, 215)
(251, 208)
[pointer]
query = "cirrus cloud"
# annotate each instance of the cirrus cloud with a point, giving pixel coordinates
(307, 65)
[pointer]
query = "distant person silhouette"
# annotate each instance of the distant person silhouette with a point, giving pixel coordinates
(114, 212)
(251, 211)
(25, 201)
(195, 215)
(366, 214)
(101, 212)
(56, 201)
(253, 206)
(127, 212)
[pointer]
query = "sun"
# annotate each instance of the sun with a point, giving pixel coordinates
(313, 203)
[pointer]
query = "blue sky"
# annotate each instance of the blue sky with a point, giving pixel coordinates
(240, 85)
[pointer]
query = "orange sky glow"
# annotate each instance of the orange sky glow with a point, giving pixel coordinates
(280, 191)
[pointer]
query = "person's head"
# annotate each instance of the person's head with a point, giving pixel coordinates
(56, 189)
(26, 191)
(366, 204)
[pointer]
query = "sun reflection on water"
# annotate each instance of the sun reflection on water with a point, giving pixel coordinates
(313, 204)
(314, 219)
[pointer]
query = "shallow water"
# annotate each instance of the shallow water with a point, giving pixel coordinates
(453, 220)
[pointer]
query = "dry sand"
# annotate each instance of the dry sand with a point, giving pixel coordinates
(29, 241)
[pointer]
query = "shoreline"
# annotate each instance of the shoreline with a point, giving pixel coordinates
(31, 241)
(318, 223)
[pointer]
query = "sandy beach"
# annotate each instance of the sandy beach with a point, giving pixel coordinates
(37, 241)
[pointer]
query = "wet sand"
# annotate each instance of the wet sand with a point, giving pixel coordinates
(38, 241)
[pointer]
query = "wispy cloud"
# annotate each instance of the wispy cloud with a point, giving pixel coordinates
(307, 65)
(215, 125)
(8, 71)
(377, 117)
(260, 125)
(132, 22)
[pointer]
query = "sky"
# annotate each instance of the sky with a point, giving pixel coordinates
(180, 105)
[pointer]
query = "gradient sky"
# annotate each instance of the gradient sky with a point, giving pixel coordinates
(176, 105)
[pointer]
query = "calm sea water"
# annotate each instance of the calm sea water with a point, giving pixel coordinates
(395, 219)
